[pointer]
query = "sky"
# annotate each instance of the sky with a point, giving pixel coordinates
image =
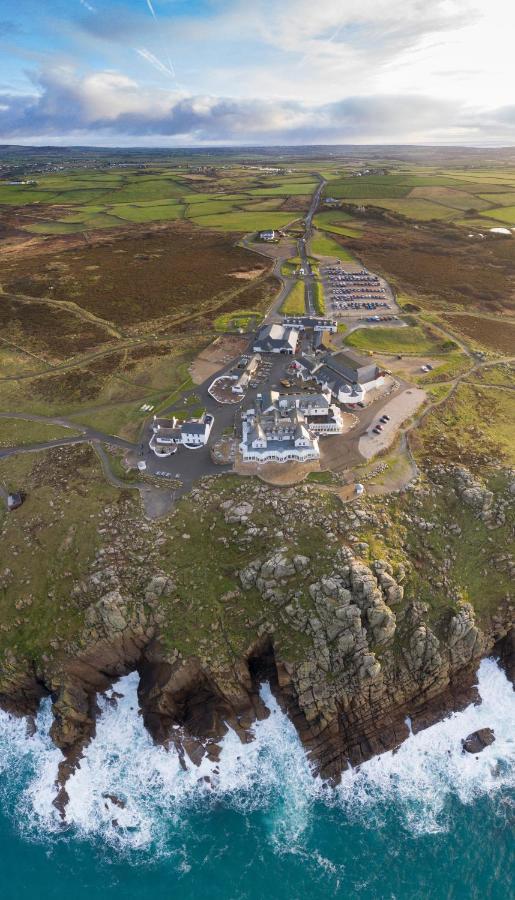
(256, 72)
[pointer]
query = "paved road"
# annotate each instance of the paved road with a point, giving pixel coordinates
(188, 465)
(87, 435)
(304, 254)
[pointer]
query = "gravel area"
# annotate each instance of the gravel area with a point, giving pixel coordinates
(400, 408)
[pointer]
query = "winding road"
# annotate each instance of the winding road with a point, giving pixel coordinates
(159, 499)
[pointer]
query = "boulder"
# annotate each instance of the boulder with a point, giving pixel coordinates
(478, 740)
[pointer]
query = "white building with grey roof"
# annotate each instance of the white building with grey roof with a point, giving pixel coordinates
(347, 375)
(321, 415)
(276, 339)
(169, 434)
(271, 437)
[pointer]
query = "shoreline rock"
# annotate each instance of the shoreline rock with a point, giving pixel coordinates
(478, 740)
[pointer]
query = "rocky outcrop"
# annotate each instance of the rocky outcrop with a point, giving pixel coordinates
(351, 645)
(478, 740)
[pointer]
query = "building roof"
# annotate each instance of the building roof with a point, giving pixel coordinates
(256, 433)
(309, 363)
(193, 427)
(273, 337)
(309, 321)
(352, 366)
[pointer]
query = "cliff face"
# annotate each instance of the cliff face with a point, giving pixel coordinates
(360, 617)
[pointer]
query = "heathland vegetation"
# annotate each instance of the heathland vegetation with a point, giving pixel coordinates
(113, 278)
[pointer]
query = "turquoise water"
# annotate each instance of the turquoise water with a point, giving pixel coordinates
(426, 822)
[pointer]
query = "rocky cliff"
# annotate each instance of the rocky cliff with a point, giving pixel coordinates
(366, 618)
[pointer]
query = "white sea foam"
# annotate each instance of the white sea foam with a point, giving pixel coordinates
(270, 775)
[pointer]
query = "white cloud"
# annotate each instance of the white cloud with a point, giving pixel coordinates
(110, 104)
(384, 70)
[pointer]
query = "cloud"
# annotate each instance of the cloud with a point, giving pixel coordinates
(114, 108)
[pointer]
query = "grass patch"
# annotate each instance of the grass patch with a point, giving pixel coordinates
(245, 222)
(17, 432)
(411, 339)
(323, 245)
(240, 320)
(294, 304)
(318, 298)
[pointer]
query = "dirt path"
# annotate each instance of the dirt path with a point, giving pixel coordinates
(157, 502)
(70, 307)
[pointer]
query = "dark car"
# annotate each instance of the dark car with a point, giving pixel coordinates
(376, 430)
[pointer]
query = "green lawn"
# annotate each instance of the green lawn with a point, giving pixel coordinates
(294, 304)
(244, 319)
(411, 339)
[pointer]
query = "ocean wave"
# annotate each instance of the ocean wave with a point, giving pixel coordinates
(133, 796)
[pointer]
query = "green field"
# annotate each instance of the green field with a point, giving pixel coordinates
(294, 304)
(151, 212)
(287, 189)
(245, 221)
(429, 195)
(505, 214)
(233, 200)
(391, 340)
(423, 210)
(333, 221)
(323, 245)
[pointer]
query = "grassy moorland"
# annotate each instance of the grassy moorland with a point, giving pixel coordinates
(112, 279)
(439, 266)
(160, 276)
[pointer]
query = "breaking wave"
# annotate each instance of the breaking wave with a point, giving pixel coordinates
(135, 797)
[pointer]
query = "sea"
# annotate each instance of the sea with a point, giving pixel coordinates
(427, 821)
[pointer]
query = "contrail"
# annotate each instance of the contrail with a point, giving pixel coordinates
(154, 61)
(171, 68)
